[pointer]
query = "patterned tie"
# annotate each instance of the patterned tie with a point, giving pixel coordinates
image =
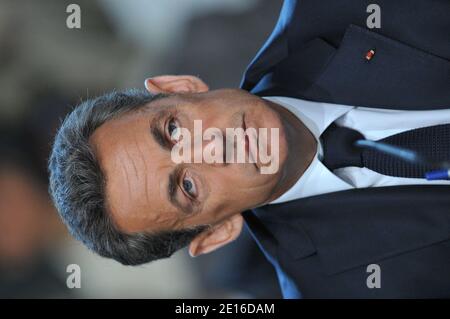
(432, 142)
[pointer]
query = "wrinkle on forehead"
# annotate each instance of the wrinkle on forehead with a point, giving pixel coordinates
(131, 159)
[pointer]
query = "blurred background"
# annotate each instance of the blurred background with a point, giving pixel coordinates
(46, 69)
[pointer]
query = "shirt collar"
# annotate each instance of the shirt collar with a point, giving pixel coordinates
(316, 116)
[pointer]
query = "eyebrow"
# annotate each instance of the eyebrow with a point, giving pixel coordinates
(172, 191)
(157, 129)
(158, 134)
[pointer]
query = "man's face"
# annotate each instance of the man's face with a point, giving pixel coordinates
(147, 191)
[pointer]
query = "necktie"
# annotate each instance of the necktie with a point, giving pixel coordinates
(432, 142)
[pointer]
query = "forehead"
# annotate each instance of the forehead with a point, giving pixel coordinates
(136, 170)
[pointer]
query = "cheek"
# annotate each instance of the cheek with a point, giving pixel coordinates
(213, 119)
(235, 187)
(213, 113)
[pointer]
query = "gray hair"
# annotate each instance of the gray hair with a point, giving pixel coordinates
(77, 185)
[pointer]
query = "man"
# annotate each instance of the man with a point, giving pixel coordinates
(330, 213)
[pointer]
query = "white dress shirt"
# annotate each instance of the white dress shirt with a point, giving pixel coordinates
(373, 123)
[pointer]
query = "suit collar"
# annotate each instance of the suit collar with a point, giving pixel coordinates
(397, 77)
(355, 227)
(274, 50)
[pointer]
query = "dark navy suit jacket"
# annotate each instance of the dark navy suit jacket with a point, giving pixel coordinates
(321, 246)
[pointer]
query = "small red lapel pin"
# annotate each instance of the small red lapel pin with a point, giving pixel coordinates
(370, 54)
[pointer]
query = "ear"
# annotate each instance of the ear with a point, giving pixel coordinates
(175, 84)
(217, 236)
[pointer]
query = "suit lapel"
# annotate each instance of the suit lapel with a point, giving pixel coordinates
(359, 226)
(397, 77)
(273, 51)
(295, 75)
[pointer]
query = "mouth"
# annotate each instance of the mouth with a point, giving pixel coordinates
(251, 152)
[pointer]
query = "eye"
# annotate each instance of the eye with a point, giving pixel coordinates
(173, 129)
(189, 186)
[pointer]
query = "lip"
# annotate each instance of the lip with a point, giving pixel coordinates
(247, 142)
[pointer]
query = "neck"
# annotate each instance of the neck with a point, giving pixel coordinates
(302, 147)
